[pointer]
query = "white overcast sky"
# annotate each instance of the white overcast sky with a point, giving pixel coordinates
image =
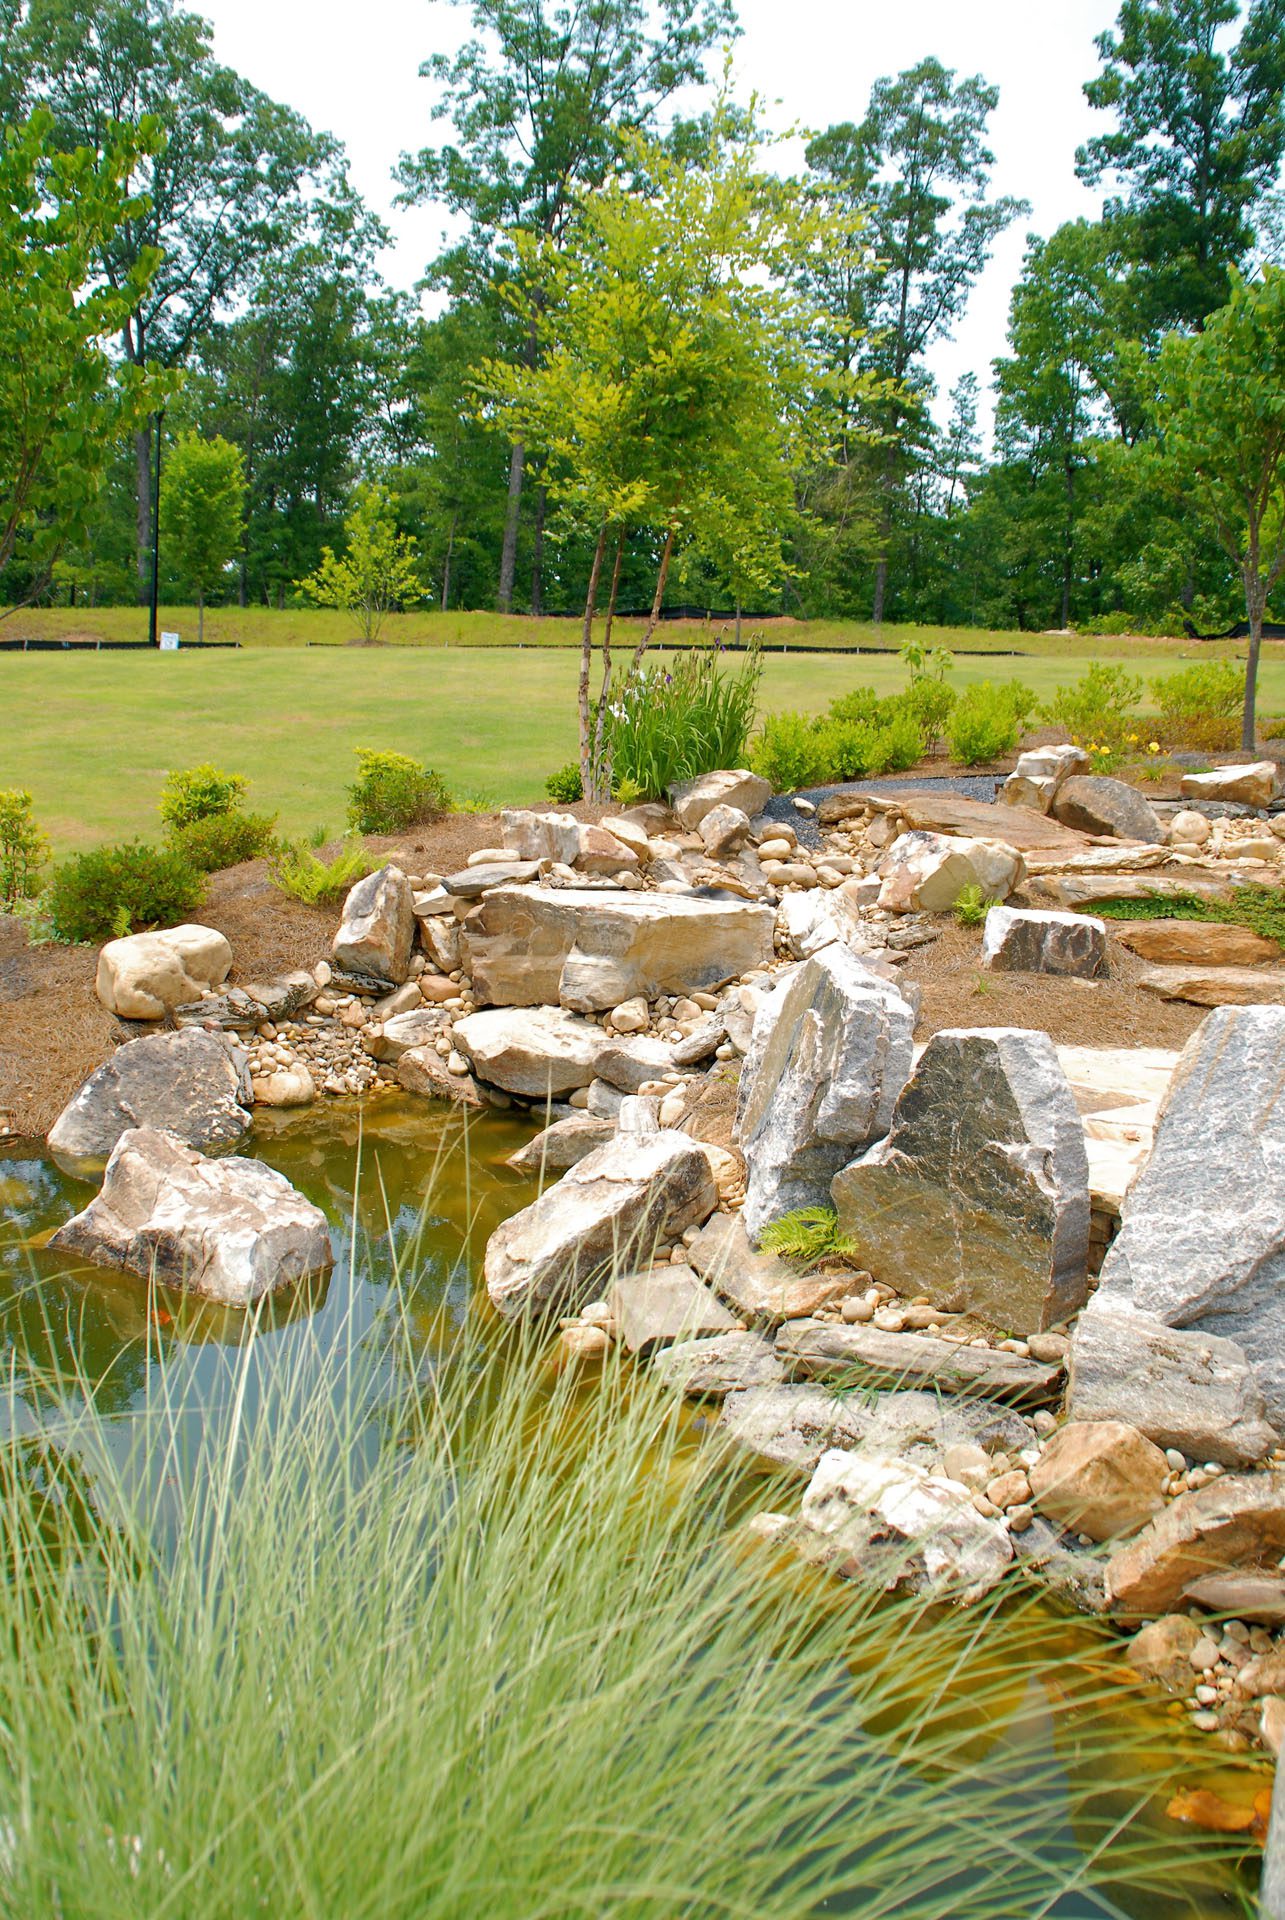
(353, 70)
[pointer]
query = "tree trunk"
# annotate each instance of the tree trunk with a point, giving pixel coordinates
(1255, 607)
(200, 616)
(586, 657)
(446, 564)
(512, 514)
(602, 772)
(143, 491)
(881, 588)
(653, 618)
(537, 553)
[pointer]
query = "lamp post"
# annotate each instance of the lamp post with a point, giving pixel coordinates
(153, 635)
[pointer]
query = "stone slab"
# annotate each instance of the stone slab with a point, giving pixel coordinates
(818, 1350)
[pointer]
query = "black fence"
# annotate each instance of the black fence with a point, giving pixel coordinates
(111, 646)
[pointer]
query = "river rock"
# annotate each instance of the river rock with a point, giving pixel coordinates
(823, 1350)
(1235, 1521)
(979, 1197)
(540, 836)
(1189, 1390)
(147, 975)
(1162, 1652)
(378, 927)
(761, 1286)
(728, 788)
(593, 950)
(886, 1520)
(229, 1229)
(1097, 804)
(419, 1028)
(190, 1083)
(1023, 940)
(1256, 785)
(830, 1054)
(422, 1071)
(538, 1052)
(926, 872)
(287, 1087)
(565, 1144)
(1194, 943)
(610, 1210)
(1099, 1477)
(1202, 1239)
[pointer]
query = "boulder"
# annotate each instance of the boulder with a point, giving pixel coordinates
(287, 1087)
(1217, 986)
(1194, 943)
(1097, 804)
(147, 975)
(1099, 1477)
(473, 882)
(398, 1035)
(1256, 785)
(658, 1305)
(761, 1286)
(1192, 1391)
(792, 1426)
(1036, 778)
(378, 927)
(628, 1064)
(724, 830)
(1202, 1239)
(1235, 1521)
(629, 833)
(830, 1054)
(822, 1350)
(592, 950)
(422, 1071)
(189, 1083)
(1252, 1594)
(695, 798)
(885, 1520)
(1162, 1652)
(979, 1197)
(565, 1144)
(718, 1364)
(610, 1210)
(927, 872)
(1073, 892)
(1025, 940)
(540, 836)
(231, 1230)
(443, 942)
(538, 1052)
(601, 852)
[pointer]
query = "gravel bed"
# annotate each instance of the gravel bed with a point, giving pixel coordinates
(973, 786)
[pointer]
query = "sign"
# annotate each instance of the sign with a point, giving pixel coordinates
(169, 643)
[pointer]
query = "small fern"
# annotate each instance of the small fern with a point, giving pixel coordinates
(808, 1235)
(972, 906)
(295, 869)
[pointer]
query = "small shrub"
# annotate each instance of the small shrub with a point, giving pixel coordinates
(199, 793)
(848, 748)
(24, 850)
(1200, 707)
(392, 791)
(983, 726)
(789, 752)
(899, 744)
(972, 906)
(225, 839)
(1098, 709)
(116, 890)
(931, 703)
(860, 708)
(808, 1235)
(566, 785)
(295, 869)
(627, 792)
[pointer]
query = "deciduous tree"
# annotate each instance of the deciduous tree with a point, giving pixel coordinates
(203, 511)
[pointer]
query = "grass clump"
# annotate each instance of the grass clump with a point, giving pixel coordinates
(112, 891)
(665, 724)
(808, 1235)
(392, 792)
(296, 869)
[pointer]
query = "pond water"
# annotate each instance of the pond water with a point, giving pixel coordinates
(401, 1173)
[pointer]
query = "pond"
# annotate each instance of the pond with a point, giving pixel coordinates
(398, 1174)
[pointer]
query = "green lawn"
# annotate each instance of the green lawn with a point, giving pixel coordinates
(92, 735)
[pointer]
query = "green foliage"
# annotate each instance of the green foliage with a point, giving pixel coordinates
(24, 849)
(1099, 709)
(930, 702)
(1261, 909)
(808, 1235)
(199, 793)
(790, 752)
(224, 839)
(392, 791)
(566, 785)
(972, 906)
(294, 868)
(1200, 705)
(203, 511)
(984, 724)
(378, 571)
(667, 724)
(112, 891)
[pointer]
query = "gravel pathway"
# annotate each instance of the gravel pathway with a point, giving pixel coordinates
(973, 786)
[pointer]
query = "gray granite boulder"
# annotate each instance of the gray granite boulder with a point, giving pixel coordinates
(192, 1084)
(1025, 940)
(538, 1052)
(979, 1196)
(1094, 803)
(831, 1053)
(377, 930)
(822, 1350)
(714, 1365)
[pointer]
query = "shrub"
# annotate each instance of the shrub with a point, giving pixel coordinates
(849, 749)
(295, 869)
(1098, 709)
(931, 703)
(790, 752)
(225, 839)
(566, 785)
(983, 725)
(1200, 707)
(666, 725)
(861, 708)
(24, 849)
(393, 791)
(116, 890)
(199, 793)
(898, 744)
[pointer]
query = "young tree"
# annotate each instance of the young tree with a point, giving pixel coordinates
(64, 407)
(1221, 411)
(203, 511)
(379, 570)
(1199, 136)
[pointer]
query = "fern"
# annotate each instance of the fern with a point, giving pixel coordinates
(808, 1235)
(972, 906)
(295, 869)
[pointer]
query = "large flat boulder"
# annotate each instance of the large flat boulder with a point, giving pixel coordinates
(1026, 940)
(1202, 1239)
(189, 1083)
(229, 1229)
(1096, 804)
(790, 1427)
(927, 872)
(658, 1305)
(609, 1211)
(886, 1520)
(979, 1196)
(761, 1286)
(935, 812)
(147, 975)
(565, 1144)
(538, 1052)
(1074, 891)
(1217, 986)
(377, 929)
(1194, 943)
(830, 1054)
(729, 787)
(1192, 1391)
(1255, 785)
(711, 1367)
(591, 950)
(821, 1350)
(1236, 1521)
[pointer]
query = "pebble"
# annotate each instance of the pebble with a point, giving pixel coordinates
(1205, 1721)
(1020, 1518)
(1204, 1654)
(855, 1312)
(1176, 1460)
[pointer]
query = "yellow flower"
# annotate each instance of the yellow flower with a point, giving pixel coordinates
(1153, 746)
(1133, 739)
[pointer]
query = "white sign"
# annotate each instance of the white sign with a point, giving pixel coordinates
(169, 643)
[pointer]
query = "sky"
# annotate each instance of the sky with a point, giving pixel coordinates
(354, 73)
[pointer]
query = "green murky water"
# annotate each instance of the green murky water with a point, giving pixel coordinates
(400, 1173)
